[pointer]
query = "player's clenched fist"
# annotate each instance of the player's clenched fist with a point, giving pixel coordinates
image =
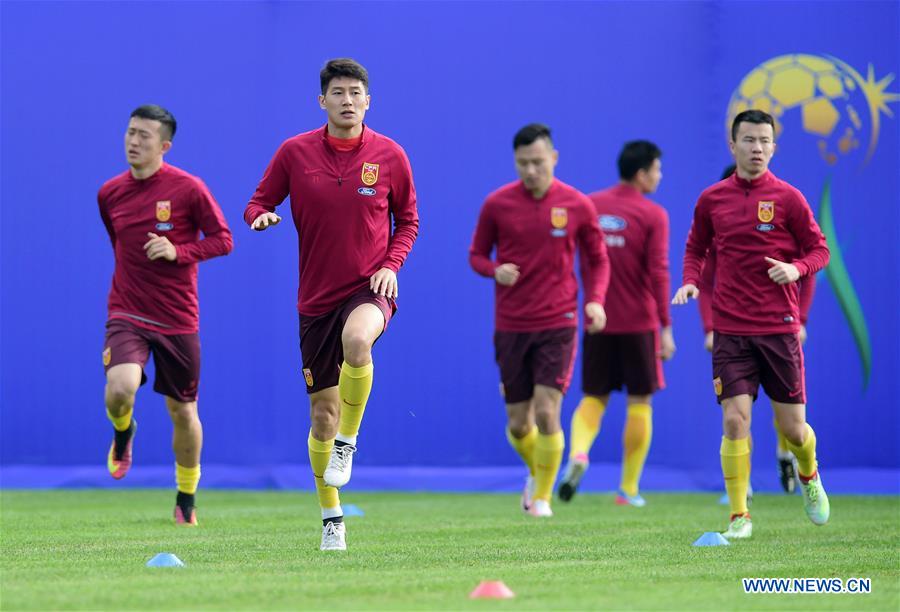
(507, 274)
(265, 220)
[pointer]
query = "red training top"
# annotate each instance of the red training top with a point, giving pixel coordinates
(540, 237)
(747, 221)
(637, 240)
(707, 282)
(160, 295)
(342, 203)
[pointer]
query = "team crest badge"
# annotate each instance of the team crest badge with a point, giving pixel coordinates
(559, 217)
(766, 211)
(369, 173)
(717, 385)
(107, 356)
(307, 374)
(163, 210)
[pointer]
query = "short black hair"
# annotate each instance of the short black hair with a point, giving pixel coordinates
(728, 171)
(343, 67)
(531, 133)
(637, 155)
(158, 113)
(751, 116)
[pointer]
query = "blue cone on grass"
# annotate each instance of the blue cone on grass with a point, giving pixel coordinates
(165, 560)
(711, 538)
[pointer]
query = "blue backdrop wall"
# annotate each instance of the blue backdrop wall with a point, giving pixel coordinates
(451, 82)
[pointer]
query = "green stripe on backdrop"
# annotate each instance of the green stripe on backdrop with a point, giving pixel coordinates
(837, 274)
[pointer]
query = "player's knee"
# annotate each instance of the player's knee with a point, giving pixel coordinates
(794, 432)
(546, 415)
(324, 415)
(357, 348)
(183, 414)
(120, 392)
(735, 425)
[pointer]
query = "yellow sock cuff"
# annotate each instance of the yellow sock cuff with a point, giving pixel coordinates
(735, 448)
(187, 478)
(360, 372)
(318, 445)
(120, 423)
(527, 438)
(552, 442)
(590, 410)
(638, 409)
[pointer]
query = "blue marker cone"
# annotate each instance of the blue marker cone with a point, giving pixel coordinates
(165, 560)
(711, 538)
(724, 500)
(352, 510)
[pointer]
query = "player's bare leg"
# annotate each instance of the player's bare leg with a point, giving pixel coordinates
(187, 442)
(360, 332)
(636, 438)
(122, 383)
(521, 433)
(324, 411)
(735, 456)
(801, 440)
(548, 448)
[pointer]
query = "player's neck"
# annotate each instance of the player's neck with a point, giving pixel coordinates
(636, 185)
(345, 133)
(747, 176)
(144, 172)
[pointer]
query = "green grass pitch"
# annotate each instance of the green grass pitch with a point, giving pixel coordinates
(259, 550)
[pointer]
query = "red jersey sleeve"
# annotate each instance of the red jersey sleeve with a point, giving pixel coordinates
(698, 243)
(209, 219)
(104, 215)
(807, 291)
(404, 212)
(707, 282)
(483, 242)
(593, 256)
(658, 264)
(802, 224)
(273, 188)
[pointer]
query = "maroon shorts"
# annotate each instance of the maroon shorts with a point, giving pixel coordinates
(176, 357)
(741, 363)
(527, 359)
(321, 347)
(613, 361)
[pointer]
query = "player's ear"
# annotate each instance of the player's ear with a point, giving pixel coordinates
(368, 101)
(322, 102)
(166, 145)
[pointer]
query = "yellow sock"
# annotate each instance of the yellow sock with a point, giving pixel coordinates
(354, 386)
(121, 423)
(187, 478)
(548, 453)
(736, 470)
(585, 425)
(782, 441)
(524, 446)
(319, 454)
(635, 444)
(805, 453)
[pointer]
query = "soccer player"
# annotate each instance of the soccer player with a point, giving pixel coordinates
(535, 224)
(154, 213)
(347, 183)
(627, 353)
(787, 463)
(766, 240)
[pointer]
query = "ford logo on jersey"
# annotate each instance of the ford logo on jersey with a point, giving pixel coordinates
(765, 227)
(610, 223)
(366, 191)
(163, 227)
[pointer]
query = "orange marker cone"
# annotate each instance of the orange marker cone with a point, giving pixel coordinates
(491, 589)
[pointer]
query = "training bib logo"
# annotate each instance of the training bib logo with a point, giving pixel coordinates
(307, 374)
(369, 173)
(163, 210)
(107, 356)
(766, 211)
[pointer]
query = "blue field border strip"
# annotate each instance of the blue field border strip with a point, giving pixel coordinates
(500, 479)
